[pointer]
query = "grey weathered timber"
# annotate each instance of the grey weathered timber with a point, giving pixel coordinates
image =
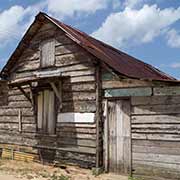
(125, 92)
(155, 135)
(119, 137)
(167, 91)
(47, 53)
(106, 136)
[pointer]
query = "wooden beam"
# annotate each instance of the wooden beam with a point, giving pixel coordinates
(167, 91)
(57, 93)
(98, 116)
(31, 95)
(25, 94)
(127, 92)
(20, 120)
(106, 137)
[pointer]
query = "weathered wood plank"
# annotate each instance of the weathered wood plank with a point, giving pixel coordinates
(156, 143)
(170, 159)
(156, 109)
(82, 125)
(125, 83)
(14, 111)
(76, 117)
(77, 130)
(155, 100)
(77, 135)
(78, 87)
(155, 150)
(156, 171)
(161, 91)
(79, 106)
(128, 92)
(159, 119)
(78, 96)
(77, 141)
(152, 136)
(73, 58)
(67, 49)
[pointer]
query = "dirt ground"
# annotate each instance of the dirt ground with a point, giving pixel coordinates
(16, 170)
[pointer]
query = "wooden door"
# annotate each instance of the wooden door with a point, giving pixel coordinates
(46, 112)
(118, 137)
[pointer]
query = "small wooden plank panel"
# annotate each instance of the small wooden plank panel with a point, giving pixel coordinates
(126, 92)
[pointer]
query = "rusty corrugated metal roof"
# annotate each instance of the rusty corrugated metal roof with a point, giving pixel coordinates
(116, 59)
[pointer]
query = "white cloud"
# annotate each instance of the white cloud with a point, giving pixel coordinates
(173, 38)
(132, 26)
(14, 21)
(132, 3)
(65, 8)
(175, 65)
(9, 23)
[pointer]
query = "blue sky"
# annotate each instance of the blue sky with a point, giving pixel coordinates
(146, 29)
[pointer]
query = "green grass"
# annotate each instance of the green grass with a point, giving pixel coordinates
(132, 178)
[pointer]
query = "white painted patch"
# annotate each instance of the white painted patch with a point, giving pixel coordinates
(76, 117)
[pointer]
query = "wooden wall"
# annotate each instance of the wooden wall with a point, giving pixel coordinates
(155, 135)
(74, 142)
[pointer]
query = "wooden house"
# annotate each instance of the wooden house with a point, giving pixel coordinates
(66, 97)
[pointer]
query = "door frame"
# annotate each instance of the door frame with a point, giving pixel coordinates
(106, 132)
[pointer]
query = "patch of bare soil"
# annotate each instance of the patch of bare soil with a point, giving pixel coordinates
(16, 170)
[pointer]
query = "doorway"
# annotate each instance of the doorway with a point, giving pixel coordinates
(117, 136)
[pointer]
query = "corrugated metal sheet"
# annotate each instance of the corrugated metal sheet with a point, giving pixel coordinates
(117, 60)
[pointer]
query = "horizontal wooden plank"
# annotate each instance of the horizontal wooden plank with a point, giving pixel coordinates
(82, 125)
(77, 135)
(77, 130)
(73, 58)
(78, 87)
(170, 159)
(15, 119)
(152, 136)
(73, 158)
(156, 109)
(161, 91)
(155, 150)
(79, 73)
(79, 106)
(17, 98)
(76, 141)
(76, 117)
(155, 100)
(15, 127)
(156, 128)
(79, 79)
(125, 83)
(15, 111)
(62, 39)
(125, 92)
(78, 96)
(156, 143)
(19, 104)
(171, 119)
(156, 171)
(67, 49)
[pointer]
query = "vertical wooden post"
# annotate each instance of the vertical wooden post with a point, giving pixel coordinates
(98, 116)
(106, 137)
(20, 120)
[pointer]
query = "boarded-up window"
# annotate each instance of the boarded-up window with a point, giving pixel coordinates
(47, 53)
(46, 112)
